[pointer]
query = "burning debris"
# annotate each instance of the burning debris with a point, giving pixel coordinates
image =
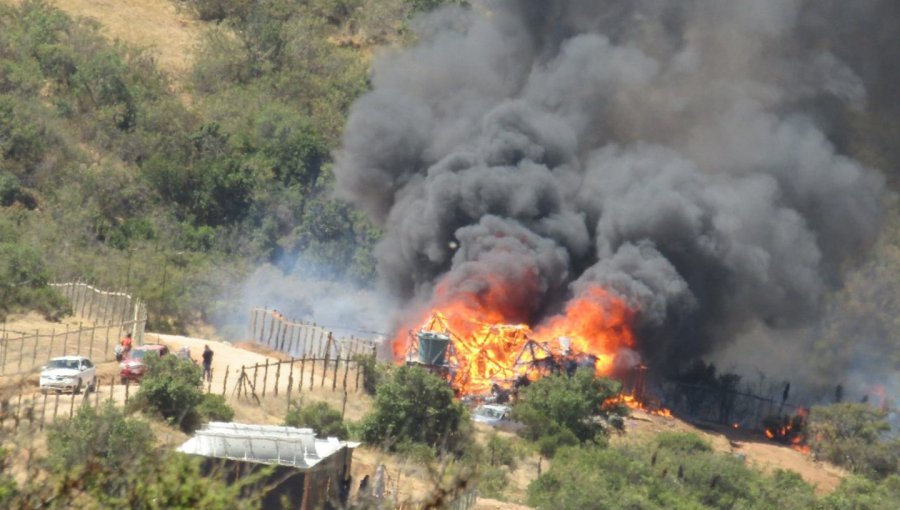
(479, 357)
(788, 429)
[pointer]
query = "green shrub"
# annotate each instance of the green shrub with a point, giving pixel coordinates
(319, 416)
(417, 406)
(561, 409)
(492, 480)
(96, 442)
(853, 435)
(373, 373)
(682, 442)
(172, 389)
(500, 451)
(416, 453)
(24, 283)
(214, 408)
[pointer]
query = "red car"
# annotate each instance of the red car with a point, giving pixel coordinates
(133, 367)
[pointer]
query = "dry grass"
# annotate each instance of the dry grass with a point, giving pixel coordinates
(154, 24)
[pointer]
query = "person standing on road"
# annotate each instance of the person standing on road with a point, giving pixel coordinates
(207, 363)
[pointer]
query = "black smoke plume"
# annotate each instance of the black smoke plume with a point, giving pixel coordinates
(683, 155)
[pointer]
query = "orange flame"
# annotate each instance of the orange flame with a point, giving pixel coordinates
(634, 403)
(790, 432)
(493, 344)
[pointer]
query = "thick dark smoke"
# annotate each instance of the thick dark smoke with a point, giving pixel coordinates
(677, 153)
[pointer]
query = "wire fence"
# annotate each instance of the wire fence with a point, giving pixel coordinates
(723, 406)
(109, 314)
(269, 328)
(288, 378)
(39, 409)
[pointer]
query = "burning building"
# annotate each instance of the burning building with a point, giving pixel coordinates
(603, 178)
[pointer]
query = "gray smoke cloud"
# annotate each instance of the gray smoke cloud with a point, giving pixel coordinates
(674, 153)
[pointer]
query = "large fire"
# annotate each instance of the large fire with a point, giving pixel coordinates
(492, 344)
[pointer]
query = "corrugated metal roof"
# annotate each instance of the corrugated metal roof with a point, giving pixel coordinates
(267, 444)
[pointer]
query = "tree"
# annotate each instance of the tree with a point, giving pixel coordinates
(171, 388)
(853, 435)
(566, 410)
(414, 405)
(319, 416)
(95, 443)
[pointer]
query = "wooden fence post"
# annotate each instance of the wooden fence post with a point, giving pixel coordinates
(265, 377)
(255, 370)
(37, 340)
(21, 352)
(277, 377)
(272, 327)
(106, 345)
(358, 370)
(112, 387)
(44, 411)
(72, 405)
(66, 341)
(91, 348)
(302, 370)
(290, 384)
(4, 348)
(225, 382)
(337, 362)
(312, 374)
(55, 408)
(80, 327)
(83, 298)
(346, 371)
(91, 305)
(325, 365)
(344, 405)
(52, 338)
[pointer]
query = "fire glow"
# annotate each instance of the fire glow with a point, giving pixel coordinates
(790, 431)
(491, 343)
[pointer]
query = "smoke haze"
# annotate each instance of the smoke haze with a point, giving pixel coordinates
(684, 155)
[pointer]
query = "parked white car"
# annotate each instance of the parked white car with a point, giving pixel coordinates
(497, 416)
(68, 373)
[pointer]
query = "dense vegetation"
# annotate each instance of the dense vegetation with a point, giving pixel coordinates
(681, 471)
(107, 172)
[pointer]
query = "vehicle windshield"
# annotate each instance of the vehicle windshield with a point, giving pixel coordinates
(63, 363)
(137, 354)
(488, 412)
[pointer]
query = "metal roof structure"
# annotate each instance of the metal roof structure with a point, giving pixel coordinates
(265, 444)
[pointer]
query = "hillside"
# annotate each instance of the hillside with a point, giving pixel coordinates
(192, 163)
(170, 34)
